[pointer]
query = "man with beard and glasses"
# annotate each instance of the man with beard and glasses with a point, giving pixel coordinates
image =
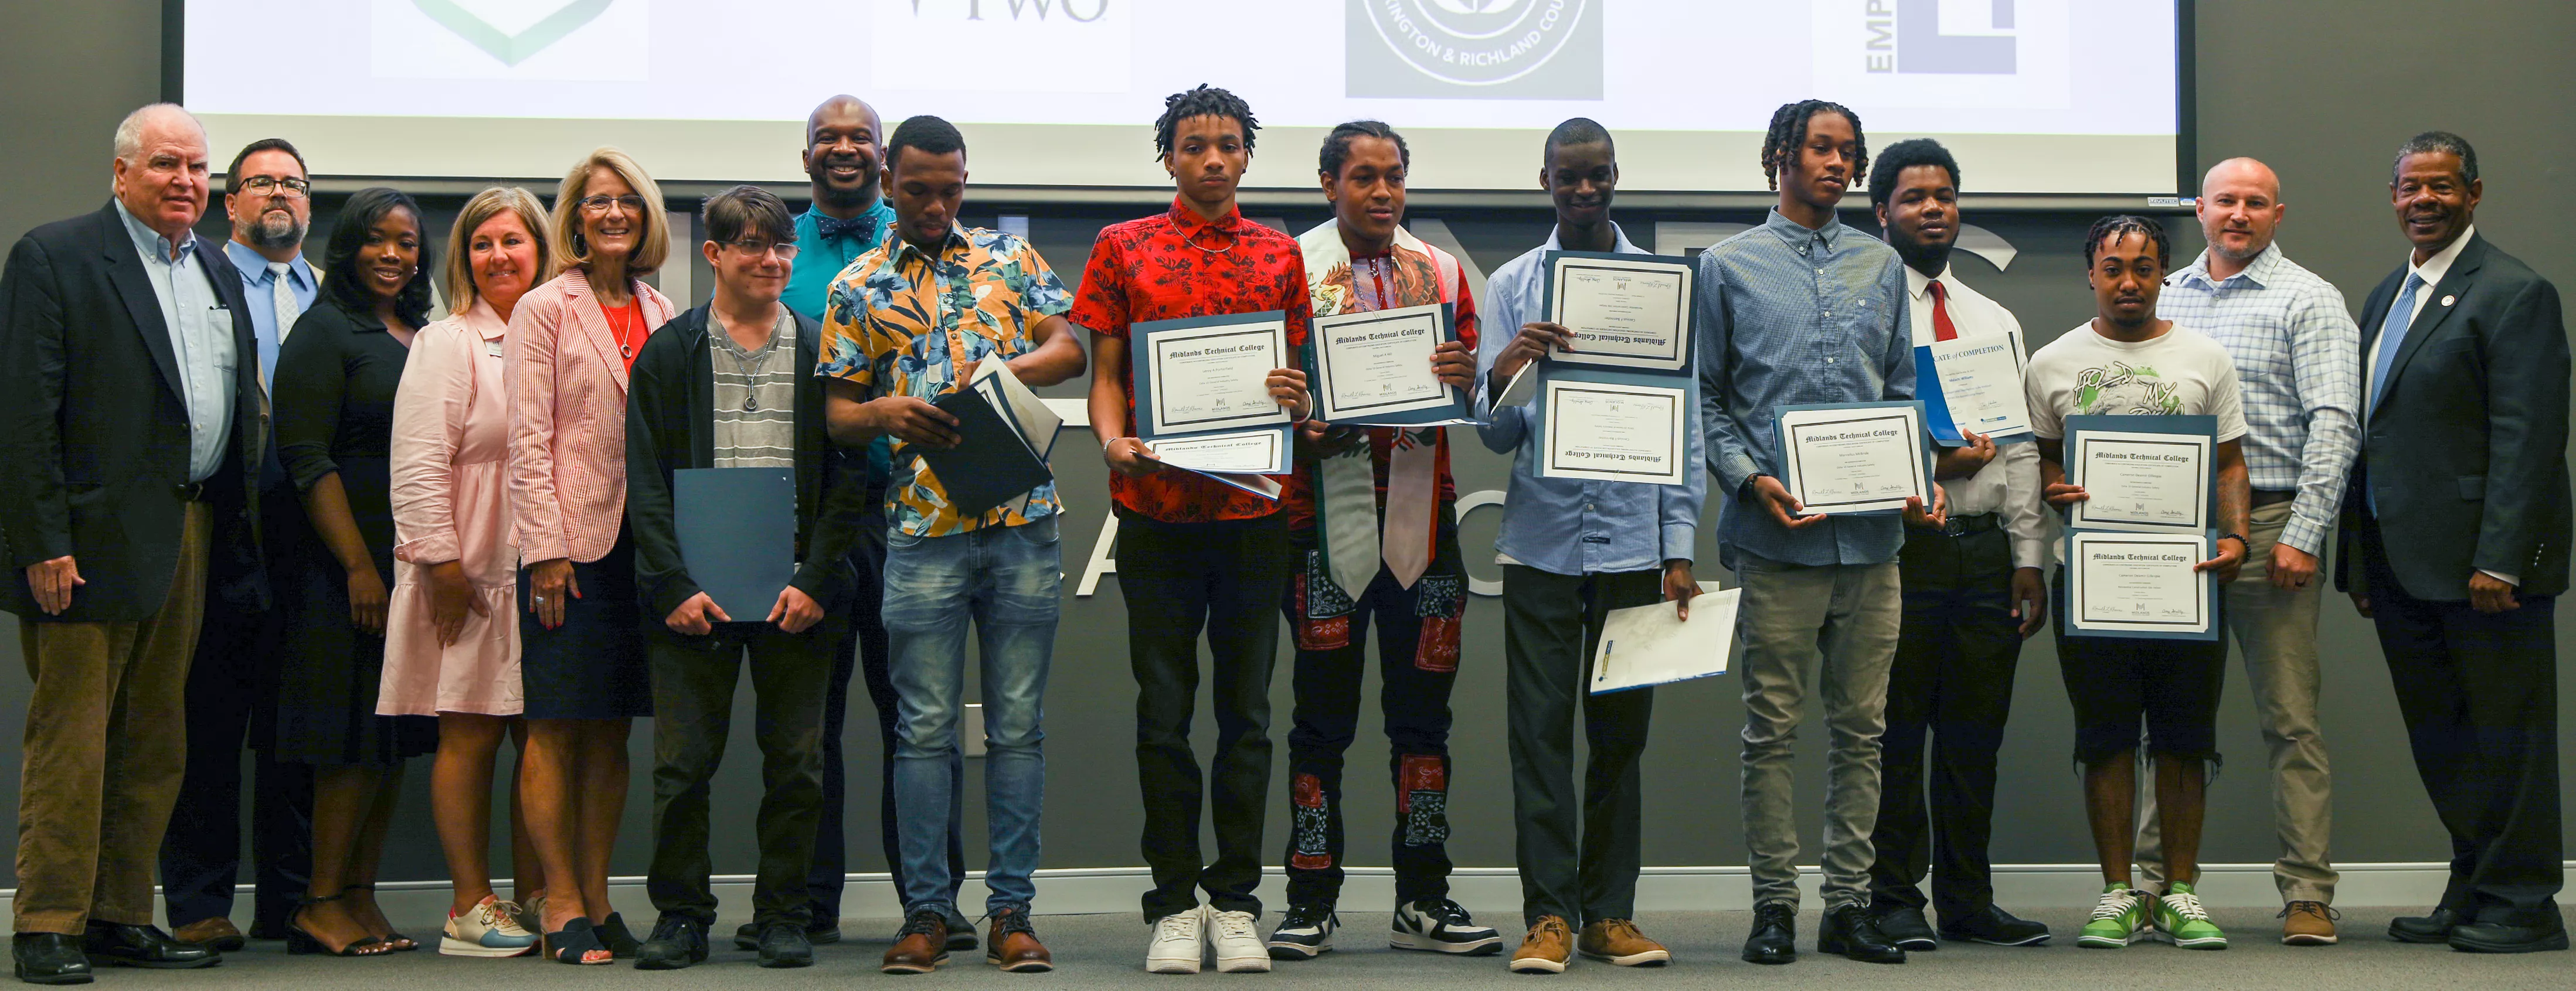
(2298, 362)
(268, 195)
(844, 152)
(1973, 590)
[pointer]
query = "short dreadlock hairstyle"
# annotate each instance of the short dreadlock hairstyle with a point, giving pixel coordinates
(1337, 145)
(2121, 225)
(1789, 133)
(2430, 142)
(1904, 155)
(1205, 101)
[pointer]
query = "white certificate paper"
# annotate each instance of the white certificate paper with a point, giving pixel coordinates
(2133, 583)
(1251, 452)
(1980, 382)
(1615, 433)
(1216, 378)
(1642, 646)
(1624, 313)
(1378, 362)
(1855, 459)
(2143, 482)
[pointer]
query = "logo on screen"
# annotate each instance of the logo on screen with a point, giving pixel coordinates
(1908, 36)
(511, 32)
(1474, 49)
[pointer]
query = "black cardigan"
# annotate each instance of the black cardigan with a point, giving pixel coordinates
(670, 424)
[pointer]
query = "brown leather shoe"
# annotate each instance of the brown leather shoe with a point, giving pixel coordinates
(1013, 945)
(2306, 923)
(216, 933)
(921, 945)
(1544, 950)
(1618, 941)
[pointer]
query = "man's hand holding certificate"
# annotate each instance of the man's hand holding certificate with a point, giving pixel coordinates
(1851, 458)
(1399, 367)
(1216, 396)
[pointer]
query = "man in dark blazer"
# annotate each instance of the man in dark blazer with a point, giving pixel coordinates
(2465, 459)
(132, 425)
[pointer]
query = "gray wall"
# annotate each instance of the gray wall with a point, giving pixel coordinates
(2319, 89)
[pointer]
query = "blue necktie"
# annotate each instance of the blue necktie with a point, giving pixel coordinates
(2392, 336)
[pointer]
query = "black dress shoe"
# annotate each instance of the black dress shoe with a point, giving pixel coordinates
(1904, 926)
(783, 944)
(145, 946)
(677, 941)
(1775, 934)
(1848, 930)
(2434, 928)
(49, 958)
(2532, 933)
(961, 932)
(1990, 925)
(818, 932)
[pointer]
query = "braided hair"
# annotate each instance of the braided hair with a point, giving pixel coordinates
(2121, 225)
(1789, 133)
(1337, 145)
(1204, 101)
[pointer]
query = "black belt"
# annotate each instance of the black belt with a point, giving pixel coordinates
(192, 492)
(1963, 525)
(2273, 497)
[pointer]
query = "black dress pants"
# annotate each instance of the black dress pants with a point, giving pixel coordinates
(694, 678)
(1949, 691)
(1551, 623)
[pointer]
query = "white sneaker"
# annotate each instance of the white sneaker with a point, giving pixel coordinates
(1442, 927)
(1180, 941)
(489, 929)
(1239, 949)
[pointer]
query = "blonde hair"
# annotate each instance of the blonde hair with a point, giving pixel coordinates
(457, 278)
(652, 244)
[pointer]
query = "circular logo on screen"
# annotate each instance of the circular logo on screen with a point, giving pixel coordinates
(1476, 42)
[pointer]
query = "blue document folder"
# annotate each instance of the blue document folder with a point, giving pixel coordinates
(737, 535)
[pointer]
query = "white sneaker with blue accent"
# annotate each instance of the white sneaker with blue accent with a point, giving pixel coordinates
(489, 929)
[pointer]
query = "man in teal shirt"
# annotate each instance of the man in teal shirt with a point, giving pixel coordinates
(848, 217)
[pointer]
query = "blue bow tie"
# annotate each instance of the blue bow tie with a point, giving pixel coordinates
(863, 226)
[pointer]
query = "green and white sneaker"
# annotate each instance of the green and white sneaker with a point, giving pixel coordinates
(2181, 921)
(2119, 919)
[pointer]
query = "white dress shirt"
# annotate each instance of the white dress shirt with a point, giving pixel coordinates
(2009, 484)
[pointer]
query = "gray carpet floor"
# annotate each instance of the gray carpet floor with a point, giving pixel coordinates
(1106, 951)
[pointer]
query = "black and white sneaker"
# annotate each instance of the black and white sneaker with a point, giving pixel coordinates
(1304, 933)
(1442, 927)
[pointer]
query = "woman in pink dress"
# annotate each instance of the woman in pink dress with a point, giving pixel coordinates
(452, 636)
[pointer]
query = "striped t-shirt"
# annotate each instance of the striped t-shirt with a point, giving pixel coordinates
(755, 396)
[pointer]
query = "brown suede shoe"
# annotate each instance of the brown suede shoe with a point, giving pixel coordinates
(217, 934)
(1013, 945)
(1618, 941)
(1544, 950)
(921, 945)
(2306, 923)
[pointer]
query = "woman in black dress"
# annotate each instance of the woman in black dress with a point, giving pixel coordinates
(334, 399)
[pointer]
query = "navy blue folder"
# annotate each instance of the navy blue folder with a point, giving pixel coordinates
(737, 535)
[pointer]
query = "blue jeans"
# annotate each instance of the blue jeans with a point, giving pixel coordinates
(1007, 579)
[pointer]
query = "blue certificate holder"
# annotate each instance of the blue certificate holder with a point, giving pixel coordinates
(1339, 401)
(2146, 436)
(1996, 407)
(2127, 620)
(1238, 437)
(737, 530)
(1790, 464)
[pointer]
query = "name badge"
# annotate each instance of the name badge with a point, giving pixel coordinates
(492, 348)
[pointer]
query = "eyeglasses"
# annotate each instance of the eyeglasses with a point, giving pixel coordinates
(600, 204)
(266, 184)
(785, 250)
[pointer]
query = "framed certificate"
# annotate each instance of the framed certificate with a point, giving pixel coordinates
(2144, 474)
(1374, 368)
(1208, 374)
(1854, 457)
(1626, 311)
(1973, 385)
(1615, 432)
(2139, 585)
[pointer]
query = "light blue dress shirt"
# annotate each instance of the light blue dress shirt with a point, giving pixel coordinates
(259, 290)
(1790, 316)
(201, 337)
(1569, 526)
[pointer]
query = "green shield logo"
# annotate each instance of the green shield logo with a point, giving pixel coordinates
(512, 49)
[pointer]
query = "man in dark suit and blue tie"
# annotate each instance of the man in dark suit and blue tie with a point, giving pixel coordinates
(2455, 542)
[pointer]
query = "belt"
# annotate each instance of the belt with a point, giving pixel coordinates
(192, 492)
(2274, 497)
(1961, 526)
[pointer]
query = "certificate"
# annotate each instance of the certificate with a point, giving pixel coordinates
(1644, 646)
(1254, 452)
(2140, 473)
(1973, 385)
(2139, 585)
(1854, 457)
(1208, 374)
(1374, 367)
(1614, 432)
(1625, 311)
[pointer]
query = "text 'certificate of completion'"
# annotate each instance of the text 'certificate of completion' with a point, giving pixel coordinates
(1973, 385)
(2140, 473)
(1854, 458)
(1375, 367)
(2139, 585)
(1625, 311)
(1615, 432)
(1208, 374)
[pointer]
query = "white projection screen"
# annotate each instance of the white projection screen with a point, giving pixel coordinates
(2046, 96)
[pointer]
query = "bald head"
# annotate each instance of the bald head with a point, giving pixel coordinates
(841, 107)
(2240, 211)
(161, 168)
(2248, 173)
(843, 139)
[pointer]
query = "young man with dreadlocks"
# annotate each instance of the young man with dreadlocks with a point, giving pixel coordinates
(1804, 309)
(2126, 361)
(1194, 552)
(1372, 520)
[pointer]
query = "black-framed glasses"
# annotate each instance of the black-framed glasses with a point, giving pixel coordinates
(601, 203)
(268, 184)
(785, 250)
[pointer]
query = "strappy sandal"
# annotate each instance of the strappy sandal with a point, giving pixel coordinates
(300, 942)
(393, 937)
(573, 942)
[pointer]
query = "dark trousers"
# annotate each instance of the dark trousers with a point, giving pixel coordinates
(1178, 578)
(1417, 649)
(2480, 697)
(1551, 623)
(1951, 681)
(201, 853)
(693, 686)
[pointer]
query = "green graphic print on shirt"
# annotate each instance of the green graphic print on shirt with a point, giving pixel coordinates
(2123, 390)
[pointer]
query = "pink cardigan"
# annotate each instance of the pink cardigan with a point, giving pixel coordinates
(567, 386)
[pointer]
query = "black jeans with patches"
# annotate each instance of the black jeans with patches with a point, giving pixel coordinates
(1418, 634)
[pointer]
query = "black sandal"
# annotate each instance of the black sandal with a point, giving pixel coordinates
(392, 936)
(573, 942)
(300, 942)
(619, 940)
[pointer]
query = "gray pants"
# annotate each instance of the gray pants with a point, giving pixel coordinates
(1836, 625)
(2276, 632)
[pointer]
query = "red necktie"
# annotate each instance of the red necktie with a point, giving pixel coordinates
(1942, 328)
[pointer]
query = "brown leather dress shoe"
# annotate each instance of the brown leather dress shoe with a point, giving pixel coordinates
(1544, 950)
(1013, 945)
(217, 933)
(921, 945)
(1619, 942)
(2307, 923)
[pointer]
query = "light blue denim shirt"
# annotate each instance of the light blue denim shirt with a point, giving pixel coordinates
(259, 290)
(201, 338)
(1569, 526)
